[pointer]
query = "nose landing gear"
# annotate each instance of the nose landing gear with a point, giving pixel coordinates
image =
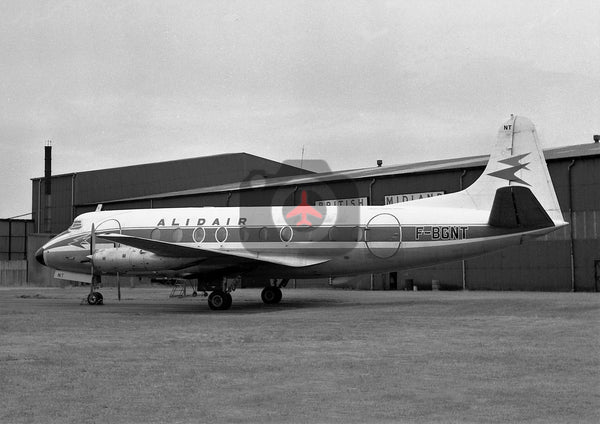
(95, 298)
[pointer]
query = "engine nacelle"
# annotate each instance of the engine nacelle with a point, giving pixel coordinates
(130, 260)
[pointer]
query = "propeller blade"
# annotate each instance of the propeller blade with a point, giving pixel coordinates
(92, 246)
(92, 249)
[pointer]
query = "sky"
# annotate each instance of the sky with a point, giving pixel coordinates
(118, 83)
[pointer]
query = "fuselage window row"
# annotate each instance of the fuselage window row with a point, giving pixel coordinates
(285, 234)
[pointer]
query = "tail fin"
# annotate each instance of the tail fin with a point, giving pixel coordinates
(516, 160)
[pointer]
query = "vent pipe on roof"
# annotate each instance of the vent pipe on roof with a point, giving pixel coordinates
(48, 186)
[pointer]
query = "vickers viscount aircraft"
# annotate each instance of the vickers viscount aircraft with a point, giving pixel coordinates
(511, 202)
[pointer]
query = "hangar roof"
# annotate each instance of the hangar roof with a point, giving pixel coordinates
(567, 152)
(147, 180)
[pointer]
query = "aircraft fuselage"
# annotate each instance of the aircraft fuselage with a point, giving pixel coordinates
(349, 240)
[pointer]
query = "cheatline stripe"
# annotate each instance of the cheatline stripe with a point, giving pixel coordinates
(318, 235)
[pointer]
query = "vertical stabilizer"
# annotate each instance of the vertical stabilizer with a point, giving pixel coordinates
(516, 160)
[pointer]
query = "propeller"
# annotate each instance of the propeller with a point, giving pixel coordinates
(96, 277)
(92, 246)
(92, 250)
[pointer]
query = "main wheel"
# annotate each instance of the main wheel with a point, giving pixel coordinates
(271, 295)
(219, 300)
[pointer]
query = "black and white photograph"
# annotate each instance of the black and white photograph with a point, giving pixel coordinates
(297, 211)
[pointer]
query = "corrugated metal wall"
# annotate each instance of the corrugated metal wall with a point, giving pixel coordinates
(62, 198)
(540, 265)
(544, 264)
(13, 273)
(13, 238)
(13, 250)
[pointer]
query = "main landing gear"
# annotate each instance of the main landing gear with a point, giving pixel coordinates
(220, 298)
(272, 293)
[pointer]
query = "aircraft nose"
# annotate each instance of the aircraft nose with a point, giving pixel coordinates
(39, 256)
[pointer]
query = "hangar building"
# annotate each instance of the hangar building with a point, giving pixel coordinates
(566, 260)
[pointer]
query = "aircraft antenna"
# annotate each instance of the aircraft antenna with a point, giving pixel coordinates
(302, 158)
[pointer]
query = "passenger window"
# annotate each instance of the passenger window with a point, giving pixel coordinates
(345, 233)
(199, 234)
(221, 234)
(286, 233)
(155, 234)
(263, 234)
(177, 235)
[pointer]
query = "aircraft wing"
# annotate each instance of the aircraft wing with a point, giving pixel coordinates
(159, 247)
(204, 253)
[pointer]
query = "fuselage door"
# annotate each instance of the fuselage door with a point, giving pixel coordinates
(383, 235)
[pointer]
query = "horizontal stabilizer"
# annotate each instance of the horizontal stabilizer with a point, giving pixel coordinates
(517, 207)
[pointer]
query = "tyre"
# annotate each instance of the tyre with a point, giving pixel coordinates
(92, 298)
(271, 295)
(219, 300)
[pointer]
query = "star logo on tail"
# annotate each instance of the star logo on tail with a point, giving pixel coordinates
(508, 174)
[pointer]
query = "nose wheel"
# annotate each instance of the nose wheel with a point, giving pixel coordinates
(95, 298)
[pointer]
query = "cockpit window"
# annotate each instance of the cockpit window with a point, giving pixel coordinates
(76, 225)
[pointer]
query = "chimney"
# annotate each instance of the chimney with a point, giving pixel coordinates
(48, 186)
